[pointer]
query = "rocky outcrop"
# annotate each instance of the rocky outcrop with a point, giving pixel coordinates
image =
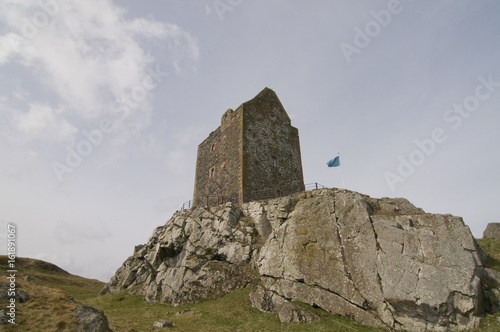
(492, 231)
(91, 319)
(163, 323)
(382, 262)
(287, 312)
(6, 293)
(491, 290)
(198, 255)
(4, 318)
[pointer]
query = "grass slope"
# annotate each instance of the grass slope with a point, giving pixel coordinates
(50, 305)
(230, 313)
(491, 248)
(51, 296)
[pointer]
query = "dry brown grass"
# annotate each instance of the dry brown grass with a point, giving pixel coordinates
(47, 309)
(52, 294)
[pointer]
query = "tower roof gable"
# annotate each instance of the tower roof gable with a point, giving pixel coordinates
(264, 102)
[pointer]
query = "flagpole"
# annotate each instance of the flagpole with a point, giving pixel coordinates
(335, 162)
(341, 172)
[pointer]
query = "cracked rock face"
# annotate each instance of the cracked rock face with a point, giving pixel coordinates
(198, 255)
(382, 262)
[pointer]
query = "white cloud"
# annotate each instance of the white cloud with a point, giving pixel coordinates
(5, 49)
(42, 121)
(90, 57)
(208, 9)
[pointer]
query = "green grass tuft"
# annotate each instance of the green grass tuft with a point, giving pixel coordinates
(491, 248)
(230, 313)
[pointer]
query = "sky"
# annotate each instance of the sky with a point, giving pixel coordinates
(103, 104)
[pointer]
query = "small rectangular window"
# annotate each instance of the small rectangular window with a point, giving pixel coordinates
(274, 161)
(211, 173)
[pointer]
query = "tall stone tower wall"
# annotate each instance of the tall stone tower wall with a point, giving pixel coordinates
(254, 154)
(218, 163)
(272, 165)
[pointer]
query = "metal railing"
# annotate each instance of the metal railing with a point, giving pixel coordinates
(187, 205)
(208, 201)
(314, 186)
(219, 200)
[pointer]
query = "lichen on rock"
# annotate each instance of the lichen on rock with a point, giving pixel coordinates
(382, 262)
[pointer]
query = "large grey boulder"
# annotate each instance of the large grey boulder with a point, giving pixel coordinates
(492, 231)
(491, 290)
(382, 262)
(5, 293)
(287, 312)
(4, 318)
(91, 319)
(163, 323)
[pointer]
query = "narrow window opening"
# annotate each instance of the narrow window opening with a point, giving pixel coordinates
(274, 161)
(211, 173)
(224, 164)
(213, 147)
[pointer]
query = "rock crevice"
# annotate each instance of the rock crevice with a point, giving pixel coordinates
(382, 262)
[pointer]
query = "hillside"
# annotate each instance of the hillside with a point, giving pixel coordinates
(52, 290)
(50, 306)
(295, 263)
(54, 297)
(381, 262)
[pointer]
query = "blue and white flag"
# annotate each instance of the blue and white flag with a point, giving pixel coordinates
(335, 162)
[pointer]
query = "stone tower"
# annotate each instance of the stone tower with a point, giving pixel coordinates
(254, 154)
